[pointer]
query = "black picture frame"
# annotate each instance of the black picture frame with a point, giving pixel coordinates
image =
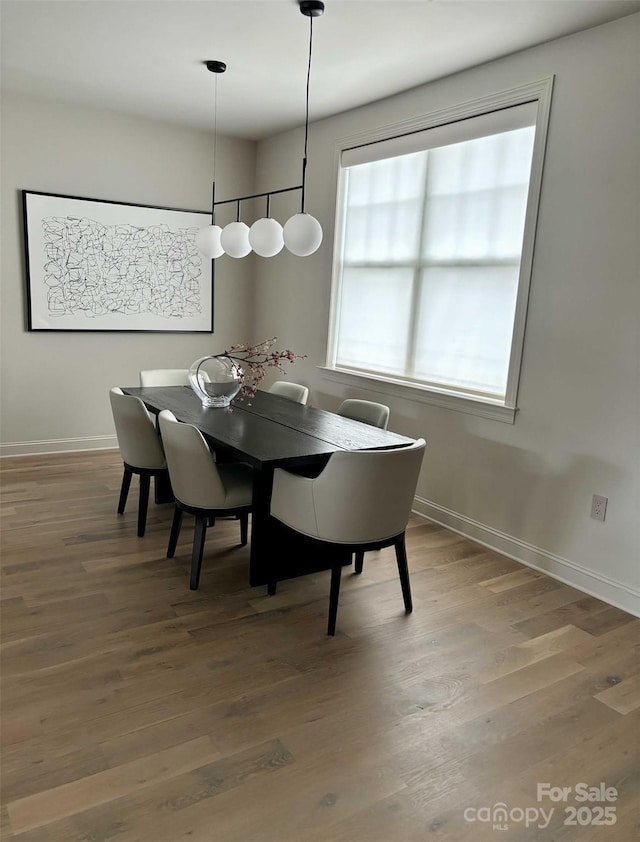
(103, 266)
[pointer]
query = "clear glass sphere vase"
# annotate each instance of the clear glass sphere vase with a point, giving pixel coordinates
(215, 380)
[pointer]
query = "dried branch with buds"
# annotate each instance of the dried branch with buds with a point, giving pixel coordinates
(253, 361)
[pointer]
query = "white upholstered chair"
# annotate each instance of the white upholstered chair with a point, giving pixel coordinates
(165, 377)
(140, 448)
(292, 391)
(202, 487)
(370, 412)
(360, 501)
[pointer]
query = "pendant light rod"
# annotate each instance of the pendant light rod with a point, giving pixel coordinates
(312, 9)
(215, 66)
(258, 195)
(306, 117)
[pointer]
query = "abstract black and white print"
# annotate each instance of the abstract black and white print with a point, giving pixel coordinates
(108, 266)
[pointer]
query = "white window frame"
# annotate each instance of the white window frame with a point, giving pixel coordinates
(540, 92)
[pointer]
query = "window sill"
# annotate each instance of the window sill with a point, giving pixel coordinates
(396, 388)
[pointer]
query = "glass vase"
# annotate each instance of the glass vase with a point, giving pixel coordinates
(216, 380)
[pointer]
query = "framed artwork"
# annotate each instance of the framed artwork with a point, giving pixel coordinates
(96, 265)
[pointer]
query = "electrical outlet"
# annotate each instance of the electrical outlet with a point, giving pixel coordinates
(598, 507)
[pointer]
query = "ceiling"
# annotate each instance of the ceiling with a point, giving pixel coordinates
(145, 57)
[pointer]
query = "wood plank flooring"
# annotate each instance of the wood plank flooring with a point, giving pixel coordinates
(135, 710)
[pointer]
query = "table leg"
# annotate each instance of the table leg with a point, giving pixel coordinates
(162, 491)
(259, 552)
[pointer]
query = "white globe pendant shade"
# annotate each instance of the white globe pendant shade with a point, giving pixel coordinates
(265, 237)
(208, 241)
(235, 239)
(302, 234)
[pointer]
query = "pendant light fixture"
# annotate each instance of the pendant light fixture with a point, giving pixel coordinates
(302, 233)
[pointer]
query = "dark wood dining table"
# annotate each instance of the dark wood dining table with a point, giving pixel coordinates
(269, 432)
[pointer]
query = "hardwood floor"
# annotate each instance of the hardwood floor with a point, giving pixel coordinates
(135, 710)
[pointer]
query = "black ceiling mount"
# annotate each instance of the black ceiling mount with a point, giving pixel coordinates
(216, 66)
(312, 8)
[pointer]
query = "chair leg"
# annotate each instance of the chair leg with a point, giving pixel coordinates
(244, 528)
(359, 562)
(334, 595)
(403, 570)
(175, 532)
(124, 490)
(271, 587)
(143, 503)
(198, 549)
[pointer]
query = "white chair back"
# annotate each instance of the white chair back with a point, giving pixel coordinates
(370, 412)
(165, 377)
(292, 391)
(138, 440)
(361, 496)
(195, 478)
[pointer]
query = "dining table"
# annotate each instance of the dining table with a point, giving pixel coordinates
(268, 431)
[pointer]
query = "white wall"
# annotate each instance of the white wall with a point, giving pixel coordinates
(61, 149)
(525, 489)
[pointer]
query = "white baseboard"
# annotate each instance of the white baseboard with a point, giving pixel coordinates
(595, 584)
(36, 448)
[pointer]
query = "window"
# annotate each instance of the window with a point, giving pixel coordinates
(433, 252)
